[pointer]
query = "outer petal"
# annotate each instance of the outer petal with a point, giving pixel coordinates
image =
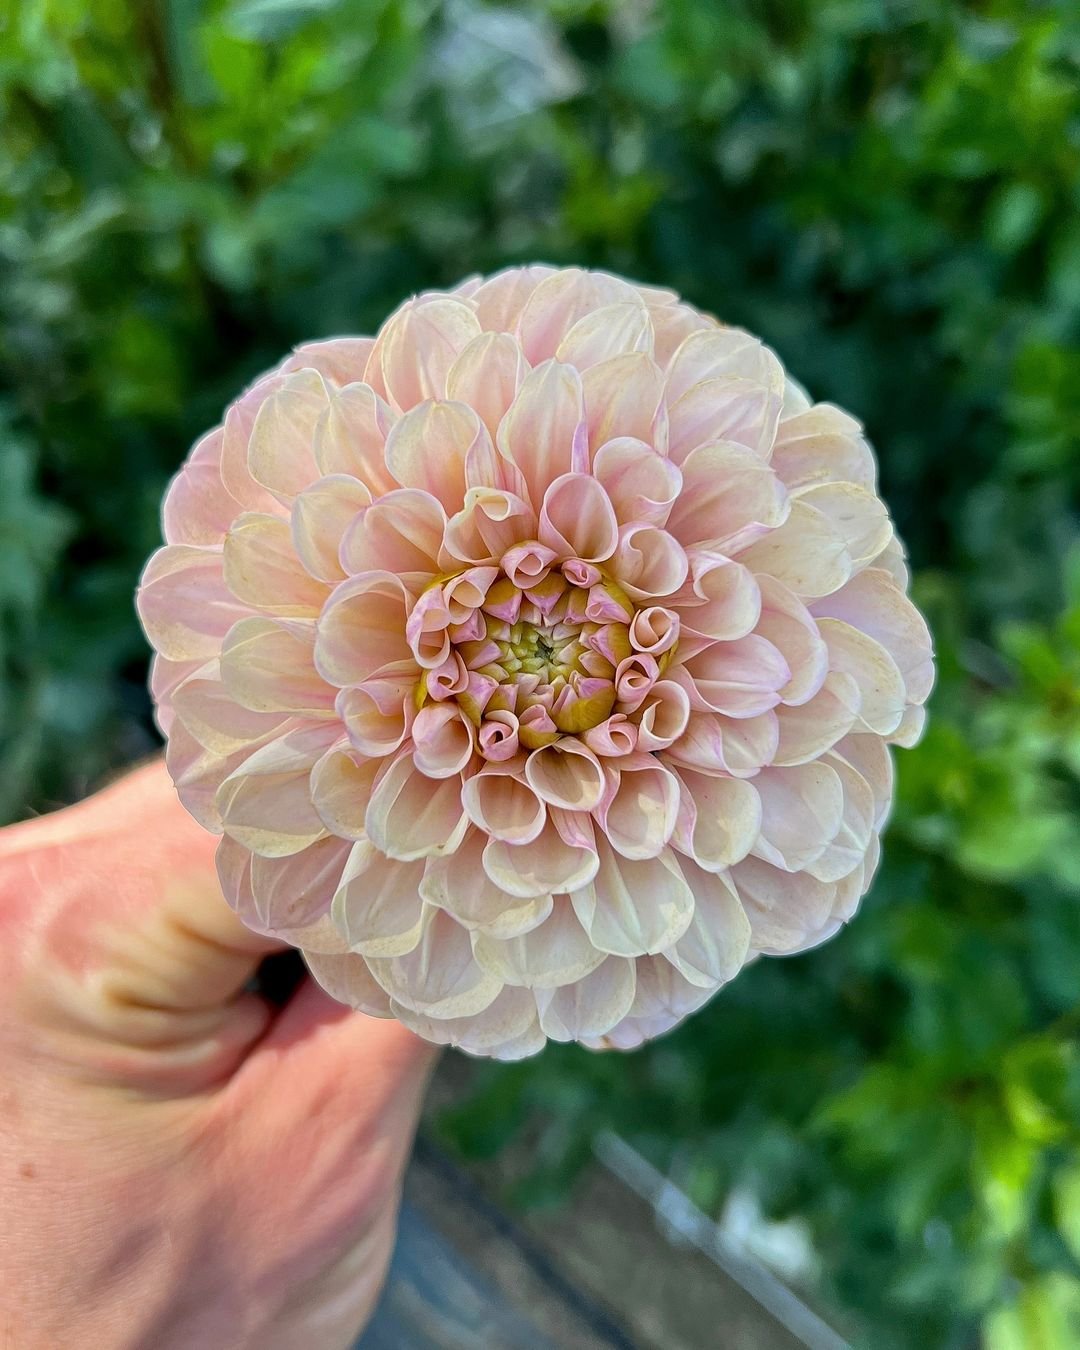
(717, 942)
(377, 906)
(557, 952)
(459, 884)
(267, 665)
(184, 604)
(591, 1006)
(321, 515)
(265, 803)
(350, 437)
(280, 453)
(439, 977)
(413, 816)
(261, 568)
(361, 633)
(347, 978)
(633, 908)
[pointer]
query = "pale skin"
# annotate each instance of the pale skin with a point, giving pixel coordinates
(180, 1164)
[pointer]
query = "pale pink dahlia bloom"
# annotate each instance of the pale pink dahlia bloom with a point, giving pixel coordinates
(537, 660)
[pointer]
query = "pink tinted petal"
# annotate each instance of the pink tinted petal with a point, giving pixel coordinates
(802, 808)
(606, 333)
(786, 911)
(726, 409)
(709, 354)
(729, 498)
(490, 523)
(806, 553)
(320, 516)
(655, 630)
(347, 978)
(401, 532)
(558, 302)
(550, 863)
(577, 519)
(487, 376)
(265, 802)
(377, 906)
(440, 976)
(823, 445)
(788, 625)
(378, 714)
(280, 453)
(722, 820)
(412, 816)
(632, 908)
(881, 685)
(649, 562)
(268, 665)
(724, 603)
(740, 679)
(239, 421)
(566, 774)
(459, 884)
(198, 508)
(663, 715)
(539, 432)
(641, 483)
(715, 744)
(810, 729)
(419, 345)
(498, 1030)
(443, 740)
(555, 953)
(340, 359)
(614, 737)
(717, 940)
(638, 817)
(361, 632)
(623, 398)
(291, 894)
(261, 568)
(499, 802)
(499, 300)
(341, 786)
(856, 514)
(184, 604)
(216, 719)
(590, 1006)
(427, 449)
(350, 437)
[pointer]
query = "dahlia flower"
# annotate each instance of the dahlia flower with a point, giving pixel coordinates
(537, 660)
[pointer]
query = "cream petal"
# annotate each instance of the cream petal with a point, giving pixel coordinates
(802, 808)
(806, 553)
(378, 714)
(377, 904)
(742, 678)
(788, 625)
(624, 399)
(341, 785)
(641, 484)
(721, 821)
(198, 508)
(672, 325)
(649, 563)
(292, 894)
(725, 409)
(605, 333)
(506, 1022)
(910, 730)
(439, 977)
(418, 346)
(634, 907)
(875, 604)
(443, 740)
(267, 665)
(662, 992)
(361, 632)
(265, 802)
(551, 863)
(555, 953)
(350, 437)
(427, 449)
(261, 568)
(822, 445)
(566, 774)
(501, 804)
(280, 453)
(577, 519)
(401, 532)
(856, 514)
(881, 685)
(638, 815)
(810, 729)
(487, 376)
(459, 884)
(543, 432)
(787, 910)
(717, 941)
(729, 499)
(197, 774)
(320, 516)
(591, 1006)
(412, 816)
(183, 602)
(347, 978)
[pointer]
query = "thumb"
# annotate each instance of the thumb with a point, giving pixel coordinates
(121, 893)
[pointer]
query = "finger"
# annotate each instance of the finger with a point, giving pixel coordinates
(122, 889)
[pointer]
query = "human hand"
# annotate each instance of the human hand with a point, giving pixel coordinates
(180, 1164)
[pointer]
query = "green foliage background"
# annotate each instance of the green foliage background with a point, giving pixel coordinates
(889, 193)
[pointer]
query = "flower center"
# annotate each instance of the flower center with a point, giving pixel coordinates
(530, 651)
